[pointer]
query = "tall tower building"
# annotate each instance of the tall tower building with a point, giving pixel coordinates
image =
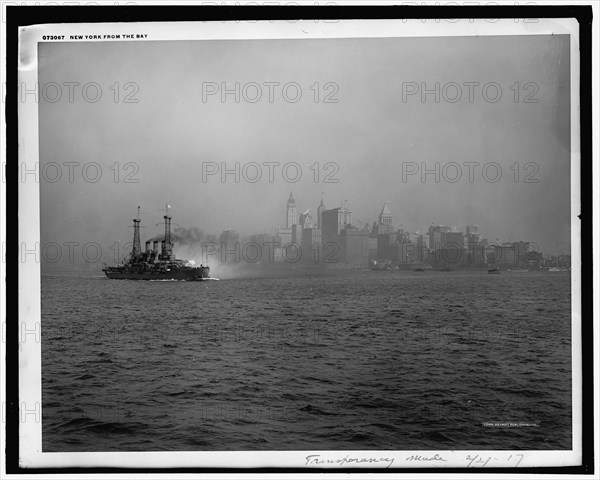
(320, 211)
(385, 217)
(306, 219)
(331, 227)
(385, 221)
(292, 213)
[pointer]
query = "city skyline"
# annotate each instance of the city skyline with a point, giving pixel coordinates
(330, 236)
(400, 225)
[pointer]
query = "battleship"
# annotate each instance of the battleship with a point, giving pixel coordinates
(152, 264)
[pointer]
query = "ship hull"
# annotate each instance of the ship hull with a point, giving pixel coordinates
(192, 275)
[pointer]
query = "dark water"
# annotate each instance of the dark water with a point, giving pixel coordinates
(356, 360)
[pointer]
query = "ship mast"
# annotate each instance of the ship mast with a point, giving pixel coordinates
(137, 246)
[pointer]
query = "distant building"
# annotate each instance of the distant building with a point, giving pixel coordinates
(297, 234)
(411, 237)
(447, 247)
(522, 250)
(403, 253)
(306, 219)
(451, 256)
(311, 245)
(334, 221)
(454, 240)
(426, 239)
(372, 247)
(320, 209)
(385, 217)
(385, 221)
(263, 239)
(475, 255)
(555, 261)
(396, 248)
(310, 242)
(284, 235)
(507, 255)
(291, 212)
(384, 242)
(435, 236)
(354, 247)
(502, 256)
(422, 247)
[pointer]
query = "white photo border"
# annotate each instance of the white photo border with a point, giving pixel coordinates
(30, 441)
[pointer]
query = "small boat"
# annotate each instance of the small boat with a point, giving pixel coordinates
(418, 269)
(380, 265)
(493, 270)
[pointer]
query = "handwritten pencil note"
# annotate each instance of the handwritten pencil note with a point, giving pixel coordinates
(421, 460)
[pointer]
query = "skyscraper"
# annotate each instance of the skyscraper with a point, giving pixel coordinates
(435, 236)
(306, 219)
(320, 211)
(334, 221)
(292, 213)
(385, 217)
(385, 222)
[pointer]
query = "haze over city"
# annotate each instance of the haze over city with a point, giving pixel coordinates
(375, 132)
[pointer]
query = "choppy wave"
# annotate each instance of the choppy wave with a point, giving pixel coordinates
(356, 360)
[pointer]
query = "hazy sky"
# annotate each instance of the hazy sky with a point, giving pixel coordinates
(369, 133)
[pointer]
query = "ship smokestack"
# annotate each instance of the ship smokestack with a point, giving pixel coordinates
(167, 246)
(155, 246)
(147, 246)
(137, 247)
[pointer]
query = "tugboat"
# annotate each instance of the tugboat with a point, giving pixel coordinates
(380, 265)
(155, 265)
